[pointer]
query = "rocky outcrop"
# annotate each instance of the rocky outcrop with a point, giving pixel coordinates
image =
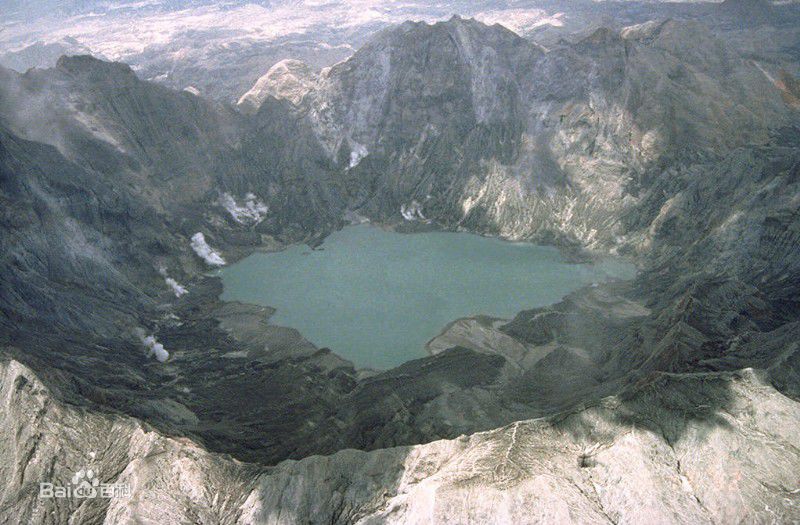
(514, 141)
(159, 479)
(657, 453)
(288, 80)
(605, 464)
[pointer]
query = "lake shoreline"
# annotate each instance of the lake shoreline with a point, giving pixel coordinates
(389, 315)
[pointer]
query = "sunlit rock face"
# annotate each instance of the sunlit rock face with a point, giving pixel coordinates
(288, 79)
(656, 454)
(491, 132)
(671, 397)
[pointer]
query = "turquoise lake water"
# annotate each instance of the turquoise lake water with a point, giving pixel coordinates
(376, 297)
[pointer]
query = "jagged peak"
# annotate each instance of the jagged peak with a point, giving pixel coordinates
(653, 29)
(643, 31)
(673, 34)
(601, 36)
(288, 79)
(468, 34)
(89, 65)
(458, 26)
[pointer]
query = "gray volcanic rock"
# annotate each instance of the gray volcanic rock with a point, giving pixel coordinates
(170, 480)
(656, 454)
(596, 465)
(527, 144)
(132, 171)
(181, 147)
(288, 79)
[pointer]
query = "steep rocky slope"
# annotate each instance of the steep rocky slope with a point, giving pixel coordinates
(515, 141)
(656, 454)
(288, 80)
(658, 141)
(96, 222)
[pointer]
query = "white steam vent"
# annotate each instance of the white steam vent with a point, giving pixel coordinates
(205, 252)
(155, 348)
(412, 212)
(178, 289)
(357, 153)
(251, 211)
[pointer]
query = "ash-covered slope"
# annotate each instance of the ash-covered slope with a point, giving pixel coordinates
(101, 116)
(663, 455)
(658, 141)
(485, 130)
(99, 216)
